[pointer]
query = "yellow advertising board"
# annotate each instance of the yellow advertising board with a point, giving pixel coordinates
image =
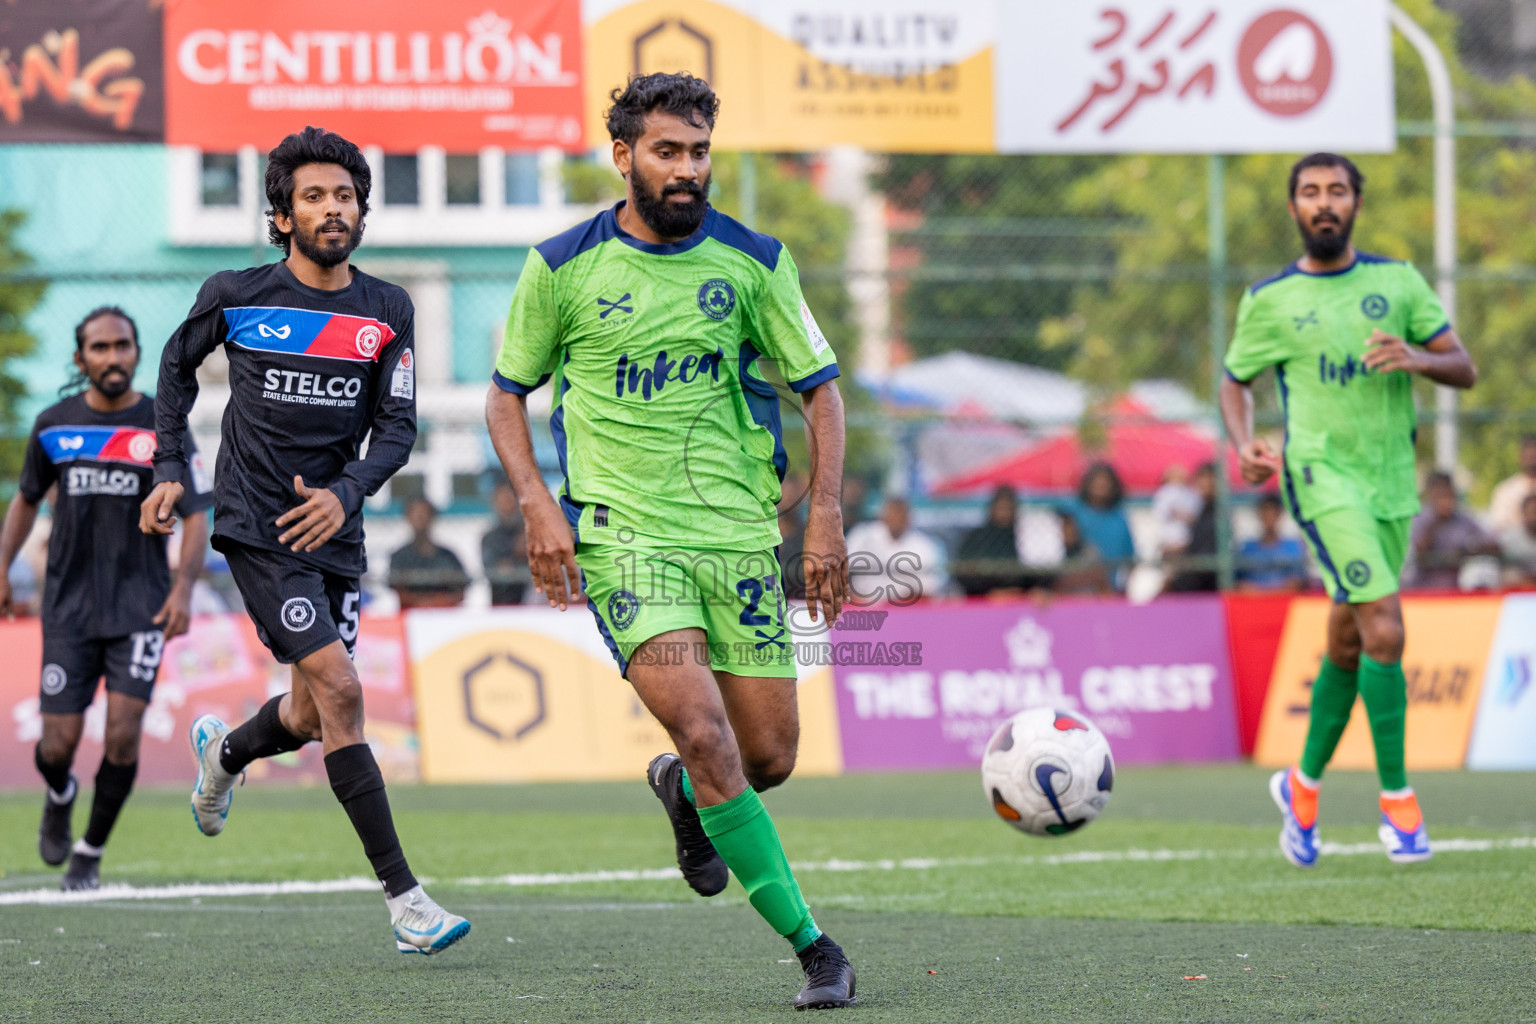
(532, 695)
(790, 79)
(1448, 642)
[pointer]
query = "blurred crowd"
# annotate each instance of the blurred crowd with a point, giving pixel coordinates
(1094, 542)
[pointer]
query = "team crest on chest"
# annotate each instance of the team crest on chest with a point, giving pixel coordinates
(369, 338)
(717, 298)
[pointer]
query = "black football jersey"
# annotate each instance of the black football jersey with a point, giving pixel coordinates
(312, 373)
(105, 577)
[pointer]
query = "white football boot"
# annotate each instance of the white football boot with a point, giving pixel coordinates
(421, 926)
(211, 793)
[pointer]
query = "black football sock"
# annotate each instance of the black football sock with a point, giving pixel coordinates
(262, 736)
(113, 784)
(56, 775)
(358, 784)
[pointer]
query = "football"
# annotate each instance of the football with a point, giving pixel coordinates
(1048, 772)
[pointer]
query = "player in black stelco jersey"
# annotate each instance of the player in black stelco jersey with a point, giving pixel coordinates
(320, 357)
(109, 604)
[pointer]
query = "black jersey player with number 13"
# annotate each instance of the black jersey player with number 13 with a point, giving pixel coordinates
(320, 357)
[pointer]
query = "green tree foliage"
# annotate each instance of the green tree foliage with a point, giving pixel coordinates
(1139, 306)
(17, 299)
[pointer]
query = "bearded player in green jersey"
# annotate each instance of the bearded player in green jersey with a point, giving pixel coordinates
(653, 319)
(1345, 331)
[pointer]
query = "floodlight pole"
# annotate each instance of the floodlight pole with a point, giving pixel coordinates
(1216, 263)
(1445, 213)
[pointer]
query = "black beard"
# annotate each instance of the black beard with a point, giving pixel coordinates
(1327, 248)
(324, 254)
(113, 386)
(671, 220)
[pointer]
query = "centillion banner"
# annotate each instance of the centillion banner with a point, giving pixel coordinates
(1448, 645)
(809, 74)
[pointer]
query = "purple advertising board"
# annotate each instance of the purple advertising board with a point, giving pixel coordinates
(1157, 679)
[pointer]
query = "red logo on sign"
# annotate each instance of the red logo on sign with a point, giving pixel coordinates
(1285, 63)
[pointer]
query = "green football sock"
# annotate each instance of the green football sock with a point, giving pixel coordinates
(688, 788)
(1385, 692)
(1333, 698)
(744, 835)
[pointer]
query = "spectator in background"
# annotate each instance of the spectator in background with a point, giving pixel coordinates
(855, 494)
(1270, 561)
(988, 561)
(504, 549)
(1504, 510)
(1082, 569)
(792, 491)
(1443, 537)
(891, 560)
(424, 573)
(1197, 564)
(1517, 545)
(1174, 508)
(1100, 516)
(792, 551)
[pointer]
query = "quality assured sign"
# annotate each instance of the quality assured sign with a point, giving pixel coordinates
(460, 74)
(1181, 76)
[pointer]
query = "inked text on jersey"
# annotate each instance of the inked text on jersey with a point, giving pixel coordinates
(632, 378)
(1330, 372)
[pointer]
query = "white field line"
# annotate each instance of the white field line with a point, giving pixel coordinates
(198, 890)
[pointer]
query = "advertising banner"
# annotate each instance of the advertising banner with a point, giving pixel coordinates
(1504, 736)
(809, 74)
(221, 668)
(532, 694)
(81, 71)
(460, 74)
(1255, 622)
(1448, 643)
(1194, 76)
(1155, 678)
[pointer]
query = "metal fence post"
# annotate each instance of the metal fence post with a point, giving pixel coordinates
(1216, 258)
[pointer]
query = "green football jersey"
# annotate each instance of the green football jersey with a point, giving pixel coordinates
(1349, 431)
(665, 425)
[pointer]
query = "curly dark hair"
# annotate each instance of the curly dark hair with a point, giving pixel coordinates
(681, 94)
(311, 146)
(1356, 179)
(1117, 488)
(78, 381)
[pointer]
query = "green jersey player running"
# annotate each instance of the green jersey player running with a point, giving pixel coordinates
(654, 320)
(1344, 331)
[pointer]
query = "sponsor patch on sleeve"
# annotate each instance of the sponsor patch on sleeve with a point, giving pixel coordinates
(202, 480)
(812, 332)
(402, 382)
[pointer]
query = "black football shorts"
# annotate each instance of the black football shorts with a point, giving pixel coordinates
(298, 608)
(73, 666)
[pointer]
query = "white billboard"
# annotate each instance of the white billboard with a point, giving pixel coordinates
(1194, 76)
(1504, 735)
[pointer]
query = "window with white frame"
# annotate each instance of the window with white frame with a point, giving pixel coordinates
(426, 198)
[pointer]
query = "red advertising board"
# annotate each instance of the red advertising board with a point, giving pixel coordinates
(460, 74)
(220, 667)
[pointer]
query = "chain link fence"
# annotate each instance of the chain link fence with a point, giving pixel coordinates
(1001, 320)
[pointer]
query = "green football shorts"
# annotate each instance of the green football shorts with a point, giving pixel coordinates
(1361, 557)
(640, 590)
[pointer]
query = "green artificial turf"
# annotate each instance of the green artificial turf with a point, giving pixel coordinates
(912, 873)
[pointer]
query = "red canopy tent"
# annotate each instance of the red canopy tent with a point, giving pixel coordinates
(1139, 446)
